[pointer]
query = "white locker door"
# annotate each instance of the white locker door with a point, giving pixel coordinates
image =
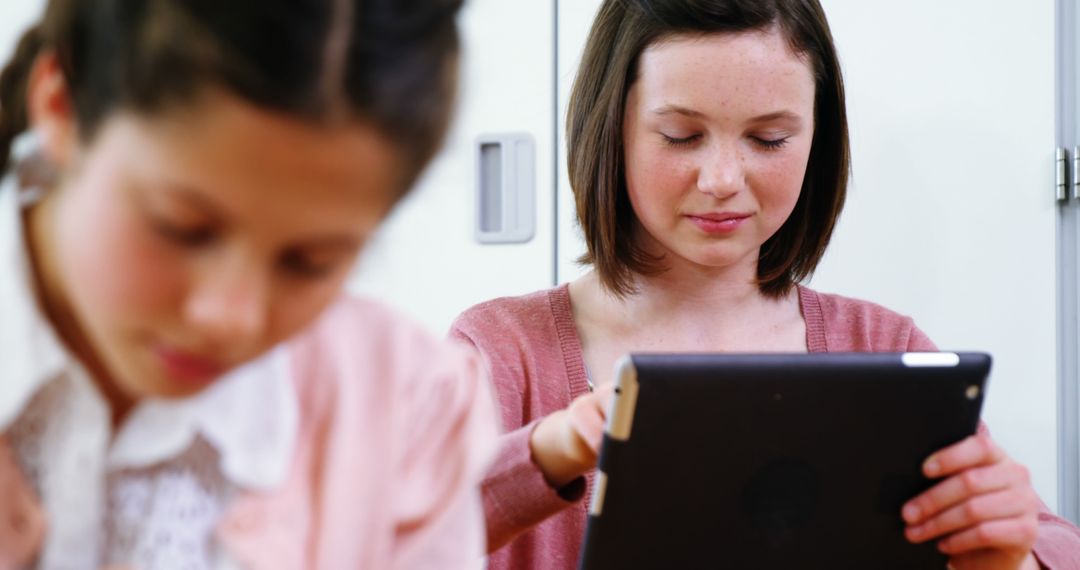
(426, 259)
(951, 215)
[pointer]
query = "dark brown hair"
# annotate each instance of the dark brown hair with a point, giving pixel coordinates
(621, 31)
(390, 62)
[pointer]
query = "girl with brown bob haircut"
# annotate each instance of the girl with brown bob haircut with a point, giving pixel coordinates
(595, 157)
(708, 153)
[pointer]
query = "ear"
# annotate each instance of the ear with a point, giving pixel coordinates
(50, 110)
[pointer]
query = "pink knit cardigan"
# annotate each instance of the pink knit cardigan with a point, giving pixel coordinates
(533, 353)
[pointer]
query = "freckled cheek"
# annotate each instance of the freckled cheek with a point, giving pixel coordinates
(781, 183)
(116, 265)
(658, 184)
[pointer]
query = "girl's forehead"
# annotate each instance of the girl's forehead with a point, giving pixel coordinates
(726, 71)
(225, 131)
(252, 162)
(753, 47)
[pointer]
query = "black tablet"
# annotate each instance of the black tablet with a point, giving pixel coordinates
(774, 461)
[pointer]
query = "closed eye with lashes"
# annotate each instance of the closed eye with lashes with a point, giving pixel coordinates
(680, 141)
(301, 265)
(771, 144)
(195, 236)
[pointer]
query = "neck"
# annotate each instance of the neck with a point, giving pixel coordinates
(693, 307)
(39, 228)
(688, 292)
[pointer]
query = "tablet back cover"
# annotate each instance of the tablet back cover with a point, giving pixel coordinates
(777, 461)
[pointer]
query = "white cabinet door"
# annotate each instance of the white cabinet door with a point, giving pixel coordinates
(426, 259)
(951, 216)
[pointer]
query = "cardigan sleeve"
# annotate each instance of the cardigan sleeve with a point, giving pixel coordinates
(449, 433)
(397, 429)
(919, 342)
(1058, 544)
(515, 494)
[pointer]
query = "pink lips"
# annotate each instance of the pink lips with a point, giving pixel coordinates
(718, 223)
(188, 368)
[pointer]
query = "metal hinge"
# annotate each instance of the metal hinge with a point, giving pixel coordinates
(1076, 173)
(1061, 178)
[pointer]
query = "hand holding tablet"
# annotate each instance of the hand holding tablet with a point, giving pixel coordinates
(985, 502)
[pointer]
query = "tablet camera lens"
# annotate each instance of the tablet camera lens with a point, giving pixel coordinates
(972, 392)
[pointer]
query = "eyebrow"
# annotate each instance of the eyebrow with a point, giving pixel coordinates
(678, 110)
(204, 203)
(691, 113)
(776, 115)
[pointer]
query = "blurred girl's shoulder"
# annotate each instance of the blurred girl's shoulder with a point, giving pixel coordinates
(362, 347)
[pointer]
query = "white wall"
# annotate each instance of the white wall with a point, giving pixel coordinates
(951, 217)
(15, 17)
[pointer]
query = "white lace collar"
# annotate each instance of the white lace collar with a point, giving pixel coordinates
(250, 416)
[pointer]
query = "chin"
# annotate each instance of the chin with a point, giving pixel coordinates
(710, 260)
(157, 386)
(155, 382)
(724, 257)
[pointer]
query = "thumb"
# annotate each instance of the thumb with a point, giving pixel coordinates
(606, 395)
(588, 414)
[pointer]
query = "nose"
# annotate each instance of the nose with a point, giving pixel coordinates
(228, 306)
(721, 172)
